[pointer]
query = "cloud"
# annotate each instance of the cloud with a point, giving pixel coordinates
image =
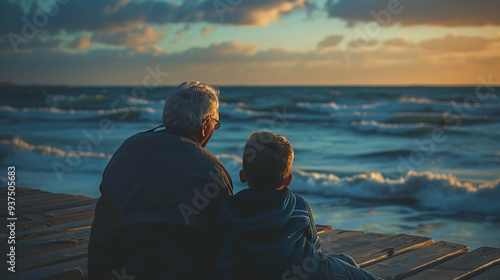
(81, 43)
(330, 41)
(121, 15)
(450, 43)
(145, 36)
(36, 43)
(206, 31)
(233, 48)
(362, 43)
(258, 12)
(395, 61)
(398, 42)
(458, 43)
(450, 13)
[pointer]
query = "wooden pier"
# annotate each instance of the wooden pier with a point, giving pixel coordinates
(52, 233)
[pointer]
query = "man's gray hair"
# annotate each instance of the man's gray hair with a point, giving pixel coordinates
(189, 104)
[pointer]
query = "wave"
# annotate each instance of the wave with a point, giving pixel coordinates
(443, 193)
(51, 163)
(486, 102)
(406, 104)
(393, 128)
(57, 114)
(154, 104)
(82, 101)
(386, 154)
(8, 147)
(429, 191)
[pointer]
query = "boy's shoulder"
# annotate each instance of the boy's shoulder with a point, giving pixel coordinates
(300, 202)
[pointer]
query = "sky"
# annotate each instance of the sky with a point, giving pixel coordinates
(250, 42)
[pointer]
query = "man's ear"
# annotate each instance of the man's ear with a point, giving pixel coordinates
(288, 180)
(204, 127)
(243, 176)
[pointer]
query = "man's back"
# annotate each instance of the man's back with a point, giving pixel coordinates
(157, 214)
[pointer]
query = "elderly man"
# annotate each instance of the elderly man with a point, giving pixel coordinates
(157, 214)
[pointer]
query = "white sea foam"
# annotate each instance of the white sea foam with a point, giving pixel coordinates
(16, 144)
(57, 114)
(443, 193)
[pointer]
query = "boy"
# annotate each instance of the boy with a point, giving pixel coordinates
(271, 232)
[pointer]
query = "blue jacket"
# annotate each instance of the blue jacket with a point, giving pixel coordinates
(269, 232)
(157, 214)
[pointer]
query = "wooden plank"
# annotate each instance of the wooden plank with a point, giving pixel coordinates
(37, 232)
(462, 267)
(55, 213)
(493, 273)
(34, 197)
(336, 235)
(48, 243)
(47, 206)
(25, 225)
(49, 258)
(70, 270)
(371, 247)
(55, 204)
(41, 196)
(29, 195)
(52, 221)
(322, 228)
(417, 260)
(4, 190)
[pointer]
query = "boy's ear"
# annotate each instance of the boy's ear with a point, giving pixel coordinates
(288, 180)
(243, 176)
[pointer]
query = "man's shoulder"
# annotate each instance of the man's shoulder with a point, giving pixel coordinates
(184, 150)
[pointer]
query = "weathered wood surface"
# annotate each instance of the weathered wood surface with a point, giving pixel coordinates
(493, 273)
(371, 247)
(336, 235)
(464, 266)
(53, 233)
(414, 261)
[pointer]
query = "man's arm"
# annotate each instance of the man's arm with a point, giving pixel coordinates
(225, 264)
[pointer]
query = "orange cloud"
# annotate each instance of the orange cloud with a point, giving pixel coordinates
(458, 43)
(145, 36)
(234, 48)
(330, 41)
(206, 31)
(394, 62)
(266, 11)
(81, 43)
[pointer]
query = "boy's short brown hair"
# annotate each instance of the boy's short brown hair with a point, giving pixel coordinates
(267, 160)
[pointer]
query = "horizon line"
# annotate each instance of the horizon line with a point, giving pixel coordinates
(8, 83)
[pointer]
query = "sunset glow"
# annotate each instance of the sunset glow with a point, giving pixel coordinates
(261, 42)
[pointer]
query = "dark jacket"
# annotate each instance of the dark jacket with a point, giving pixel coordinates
(157, 214)
(269, 232)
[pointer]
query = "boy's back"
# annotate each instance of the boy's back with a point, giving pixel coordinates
(269, 233)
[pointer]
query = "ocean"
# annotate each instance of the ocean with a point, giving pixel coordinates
(416, 160)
